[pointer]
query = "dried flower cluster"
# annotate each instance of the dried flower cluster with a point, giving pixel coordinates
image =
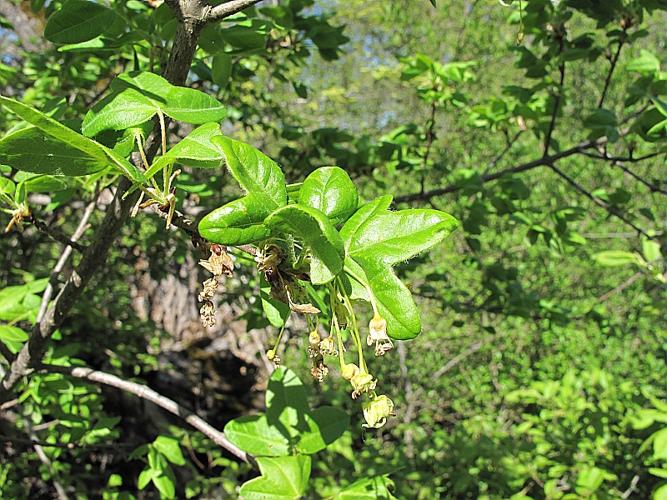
(219, 264)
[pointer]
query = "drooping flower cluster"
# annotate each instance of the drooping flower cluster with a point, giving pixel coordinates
(219, 264)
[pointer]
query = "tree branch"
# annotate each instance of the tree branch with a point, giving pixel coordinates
(229, 8)
(55, 234)
(118, 211)
(497, 175)
(600, 203)
(145, 392)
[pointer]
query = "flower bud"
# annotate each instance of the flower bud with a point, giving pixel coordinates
(271, 354)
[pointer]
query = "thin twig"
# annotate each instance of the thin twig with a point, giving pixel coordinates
(513, 170)
(145, 392)
(55, 234)
(57, 269)
(554, 114)
(600, 203)
(620, 287)
(614, 60)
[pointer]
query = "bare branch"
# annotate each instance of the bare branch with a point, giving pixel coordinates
(145, 392)
(554, 114)
(600, 203)
(57, 269)
(55, 234)
(614, 61)
(229, 8)
(497, 175)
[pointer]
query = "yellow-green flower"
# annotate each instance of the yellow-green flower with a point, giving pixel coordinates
(377, 410)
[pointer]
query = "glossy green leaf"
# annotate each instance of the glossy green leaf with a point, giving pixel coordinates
(394, 237)
(78, 21)
(256, 173)
(393, 299)
(282, 478)
(318, 235)
(325, 425)
(254, 435)
(71, 138)
(331, 191)
(31, 150)
(170, 448)
(377, 239)
(137, 97)
(239, 222)
(196, 149)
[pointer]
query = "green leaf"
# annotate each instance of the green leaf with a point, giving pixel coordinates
(79, 21)
(646, 64)
(254, 435)
(615, 258)
(145, 477)
(7, 186)
(372, 488)
(282, 478)
(376, 239)
(257, 174)
(31, 150)
(137, 97)
(221, 69)
(165, 483)
(72, 139)
(660, 444)
(393, 299)
(196, 149)
(361, 216)
(239, 222)
(660, 493)
(286, 400)
(170, 448)
(394, 237)
(325, 425)
(10, 333)
(319, 236)
(331, 191)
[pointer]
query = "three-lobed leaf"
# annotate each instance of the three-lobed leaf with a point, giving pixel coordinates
(283, 478)
(375, 240)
